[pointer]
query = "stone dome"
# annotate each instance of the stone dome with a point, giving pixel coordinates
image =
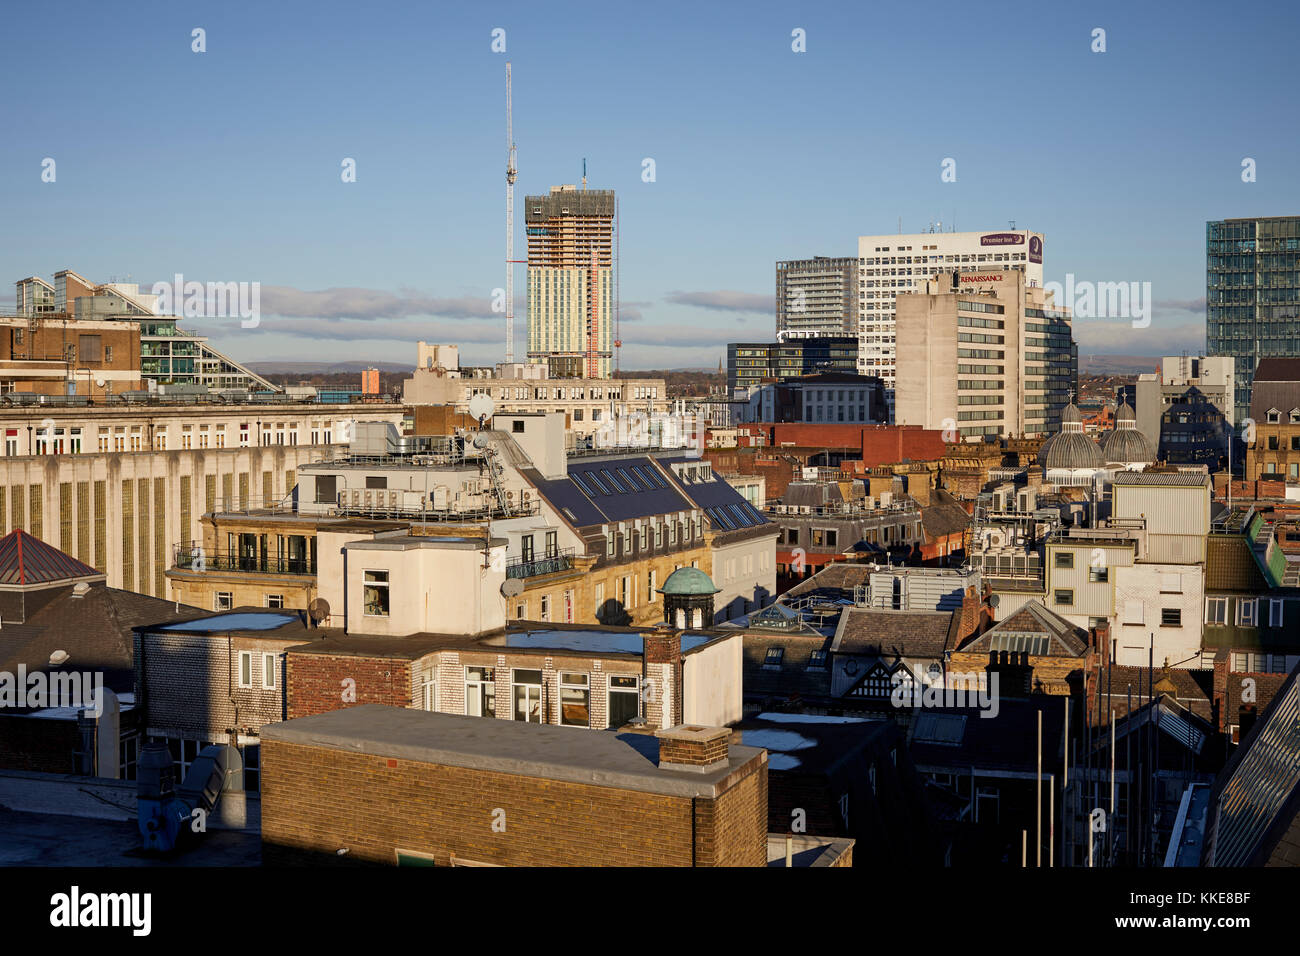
(688, 581)
(1125, 444)
(1070, 449)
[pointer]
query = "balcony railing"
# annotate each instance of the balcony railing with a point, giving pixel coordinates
(201, 559)
(561, 560)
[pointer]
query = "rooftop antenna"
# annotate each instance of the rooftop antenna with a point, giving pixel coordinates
(584, 174)
(511, 174)
(1012, 223)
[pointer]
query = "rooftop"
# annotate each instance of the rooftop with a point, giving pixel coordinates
(624, 761)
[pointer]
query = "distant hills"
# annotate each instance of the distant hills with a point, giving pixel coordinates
(325, 368)
(1117, 364)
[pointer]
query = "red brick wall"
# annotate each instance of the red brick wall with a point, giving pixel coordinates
(316, 801)
(316, 682)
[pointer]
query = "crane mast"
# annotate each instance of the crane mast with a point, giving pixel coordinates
(511, 173)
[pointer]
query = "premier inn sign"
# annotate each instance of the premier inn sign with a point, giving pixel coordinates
(1002, 239)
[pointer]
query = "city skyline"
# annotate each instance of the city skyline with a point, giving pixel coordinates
(235, 171)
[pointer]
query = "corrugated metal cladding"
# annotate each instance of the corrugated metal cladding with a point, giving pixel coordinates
(1175, 549)
(1168, 509)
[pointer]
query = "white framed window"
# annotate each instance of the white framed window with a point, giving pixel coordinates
(245, 668)
(375, 593)
(1275, 608)
(480, 692)
(222, 601)
(1216, 610)
(275, 600)
(268, 672)
(624, 699)
(1246, 608)
(575, 699)
(546, 607)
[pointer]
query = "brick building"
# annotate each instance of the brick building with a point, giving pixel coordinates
(339, 787)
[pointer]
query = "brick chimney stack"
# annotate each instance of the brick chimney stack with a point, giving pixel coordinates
(693, 748)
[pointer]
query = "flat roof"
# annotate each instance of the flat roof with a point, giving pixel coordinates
(570, 754)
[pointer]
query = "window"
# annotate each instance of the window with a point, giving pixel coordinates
(1275, 608)
(546, 607)
(375, 593)
(222, 601)
(517, 427)
(1246, 612)
(624, 700)
(268, 672)
(1134, 613)
(774, 657)
(1171, 584)
(575, 700)
(817, 660)
(275, 600)
(245, 668)
(526, 687)
(1171, 617)
(1065, 559)
(1216, 610)
(252, 767)
(1063, 596)
(1098, 575)
(480, 692)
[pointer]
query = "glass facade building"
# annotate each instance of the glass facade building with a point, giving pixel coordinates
(1252, 294)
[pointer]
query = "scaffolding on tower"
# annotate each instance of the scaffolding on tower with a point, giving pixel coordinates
(511, 174)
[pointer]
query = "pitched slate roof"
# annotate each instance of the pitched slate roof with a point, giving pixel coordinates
(871, 631)
(609, 490)
(1032, 618)
(25, 559)
(724, 507)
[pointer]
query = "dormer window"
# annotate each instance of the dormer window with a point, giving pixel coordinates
(1295, 416)
(1274, 416)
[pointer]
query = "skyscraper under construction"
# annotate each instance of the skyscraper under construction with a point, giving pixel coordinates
(571, 295)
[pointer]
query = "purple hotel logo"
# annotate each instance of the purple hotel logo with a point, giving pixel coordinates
(1002, 239)
(1035, 249)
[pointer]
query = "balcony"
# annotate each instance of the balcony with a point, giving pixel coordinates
(561, 560)
(201, 559)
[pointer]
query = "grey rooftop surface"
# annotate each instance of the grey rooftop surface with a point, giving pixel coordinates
(571, 754)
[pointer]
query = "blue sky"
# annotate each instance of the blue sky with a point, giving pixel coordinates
(225, 165)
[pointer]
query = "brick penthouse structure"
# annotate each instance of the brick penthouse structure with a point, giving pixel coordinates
(339, 788)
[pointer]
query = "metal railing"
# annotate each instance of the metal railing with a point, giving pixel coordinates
(561, 560)
(201, 559)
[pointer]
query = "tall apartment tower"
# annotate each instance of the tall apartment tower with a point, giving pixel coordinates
(984, 354)
(891, 265)
(1252, 295)
(571, 281)
(816, 298)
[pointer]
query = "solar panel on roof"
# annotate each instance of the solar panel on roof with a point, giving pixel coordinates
(720, 517)
(653, 476)
(740, 516)
(614, 482)
(632, 483)
(753, 513)
(591, 475)
(577, 480)
(641, 482)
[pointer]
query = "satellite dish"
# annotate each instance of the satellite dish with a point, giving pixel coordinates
(481, 406)
(512, 587)
(479, 441)
(58, 658)
(318, 609)
(994, 600)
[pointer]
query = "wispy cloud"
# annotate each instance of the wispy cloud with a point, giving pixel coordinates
(725, 300)
(357, 303)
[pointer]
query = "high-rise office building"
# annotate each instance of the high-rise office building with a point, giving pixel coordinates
(1011, 349)
(891, 265)
(1252, 294)
(816, 297)
(751, 363)
(571, 281)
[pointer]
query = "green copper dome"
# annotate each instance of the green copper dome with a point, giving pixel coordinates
(688, 581)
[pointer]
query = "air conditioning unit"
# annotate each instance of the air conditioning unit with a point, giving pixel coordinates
(368, 500)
